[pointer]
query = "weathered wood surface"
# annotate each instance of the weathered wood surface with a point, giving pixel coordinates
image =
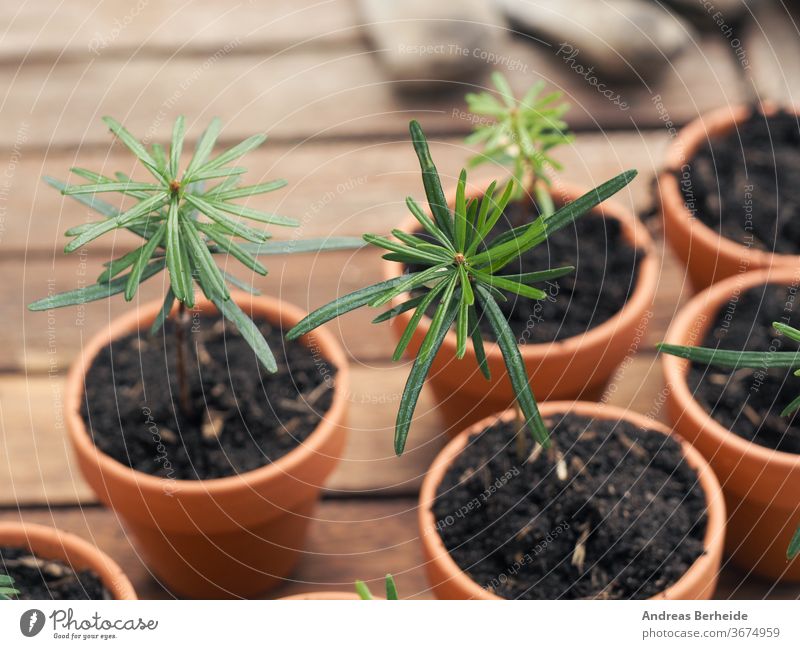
(46, 30)
(348, 540)
(335, 188)
(289, 73)
(302, 72)
(772, 43)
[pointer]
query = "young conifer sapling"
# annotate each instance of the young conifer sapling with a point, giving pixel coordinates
(185, 218)
(461, 280)
(519, 134)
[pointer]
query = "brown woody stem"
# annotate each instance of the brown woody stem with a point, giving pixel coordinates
(182, 354)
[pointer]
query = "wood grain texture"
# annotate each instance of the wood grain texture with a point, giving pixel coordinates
(303, 72)
(335, 188)
(348, 540)
(310, 94)
(772, 45)
(38, 467)
(46, 30)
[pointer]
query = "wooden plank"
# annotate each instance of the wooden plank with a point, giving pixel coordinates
(296, 95)
(347, 191)
(291, 95)
(773, 51)
(335, 188)
(47, 341)
(81, 29)
(39, 468)
(348, 540)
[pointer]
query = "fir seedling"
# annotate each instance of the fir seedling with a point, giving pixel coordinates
(520, 135)
(7, 590)
(462, 277)
(751, 360)
(185, 218)
(391, 589)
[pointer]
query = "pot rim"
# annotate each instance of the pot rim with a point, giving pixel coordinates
(323, 594)
(641, 297)
(707, 303)
(680, 152)
(713, 540)
(274, 310)
(75, 551)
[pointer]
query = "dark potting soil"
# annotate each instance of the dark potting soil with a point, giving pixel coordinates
(241, 417)
(606, 269)
(744, 184)
(626, 523)
(749, 401)
(37, 578)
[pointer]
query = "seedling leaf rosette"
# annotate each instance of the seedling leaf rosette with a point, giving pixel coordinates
(462, 279)
(751, 360)
(519, 134)
(185, 219)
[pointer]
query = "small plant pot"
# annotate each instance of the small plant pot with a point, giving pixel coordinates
(760, 483)
(579, 366)
(235, 536)
(449, 581)
(55, 545)
(708, 256)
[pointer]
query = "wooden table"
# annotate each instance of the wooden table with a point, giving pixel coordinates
(302, 72)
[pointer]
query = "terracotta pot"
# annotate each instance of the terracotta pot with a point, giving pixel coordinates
(565, 369)
(55, 545)
(229, 537)
(448, 581)
(708, 256)
(325, 594)
(760, 484)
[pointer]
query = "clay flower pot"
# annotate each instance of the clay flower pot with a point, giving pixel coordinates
(760, 484)
(708, 256)
(448, 581)
(55, 545)
(228, 537)
(564, 369)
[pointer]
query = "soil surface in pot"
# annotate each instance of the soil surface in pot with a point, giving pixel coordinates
(749, 402)
(614, 513)
(606, 268)
(37, 578)
(241, 418)
(734, 182)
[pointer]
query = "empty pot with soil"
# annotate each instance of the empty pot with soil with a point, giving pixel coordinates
(617, 508)
(733, 416)
(46, 563)
(217, 498)
(571, 341)
(729, 192)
